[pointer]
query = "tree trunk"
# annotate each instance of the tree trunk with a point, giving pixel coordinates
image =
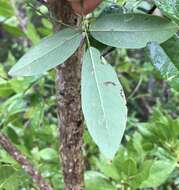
(69, 105)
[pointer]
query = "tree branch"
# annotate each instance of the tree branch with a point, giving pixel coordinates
(25, 164)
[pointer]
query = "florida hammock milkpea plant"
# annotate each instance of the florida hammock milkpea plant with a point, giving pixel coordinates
(103, 100)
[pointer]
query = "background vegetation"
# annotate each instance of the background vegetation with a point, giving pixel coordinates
(149, 154)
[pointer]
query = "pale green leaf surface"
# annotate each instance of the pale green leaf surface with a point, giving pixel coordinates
(97, 181)
(163, 64)
(49, 53)
(132, 30)
(103, 103)
(158, 174)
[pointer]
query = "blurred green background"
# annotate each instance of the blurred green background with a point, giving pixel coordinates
(149, 155)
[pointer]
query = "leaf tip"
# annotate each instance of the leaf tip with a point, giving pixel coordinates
(108, 155)
(14, 72)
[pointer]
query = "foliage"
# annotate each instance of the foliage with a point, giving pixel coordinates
(104, 110)
(49, 53)
(149, 152)
(128, 30)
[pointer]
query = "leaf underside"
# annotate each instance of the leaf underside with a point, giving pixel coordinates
(103, 103)
(49, 53)
(131, 30)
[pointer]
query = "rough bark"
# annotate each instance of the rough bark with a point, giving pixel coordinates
(25, 164)
(69, 105)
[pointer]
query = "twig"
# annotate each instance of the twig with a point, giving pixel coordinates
(136, 88)
(107, 51)
(48, 17)
(25, 164)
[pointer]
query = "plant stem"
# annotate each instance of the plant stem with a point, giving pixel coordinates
(46, 16)
(69, 104)
(25, 164)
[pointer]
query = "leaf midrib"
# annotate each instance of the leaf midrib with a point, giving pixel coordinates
(98, 30)
(98, 88)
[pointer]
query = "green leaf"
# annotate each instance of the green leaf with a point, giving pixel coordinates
(32, 34)
(9, 178)
(132, 30)
(13, 105)
(169, 8)
(108, 168)
(129, 167)
(143, 174)
(97, 181)
(12, 135)
(49, 53)
(36, 115)
(22, 84)
(159, 172)
(5, 88)
(171, 48)
(3, 74)
(5, 9)
(103, 103)
(13, 30)
(164, 64)
(48, 154)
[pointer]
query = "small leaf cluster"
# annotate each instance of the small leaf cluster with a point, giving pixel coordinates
(146, 160)
(105, 109)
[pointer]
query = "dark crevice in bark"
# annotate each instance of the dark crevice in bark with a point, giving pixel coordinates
(69, 105)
